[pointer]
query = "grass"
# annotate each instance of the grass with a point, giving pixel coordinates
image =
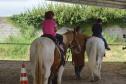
(19, 51)
(14, 52)
(115, 55)
(16, 47)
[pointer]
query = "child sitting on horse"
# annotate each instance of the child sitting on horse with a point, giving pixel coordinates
(49, 28)
(97, 31)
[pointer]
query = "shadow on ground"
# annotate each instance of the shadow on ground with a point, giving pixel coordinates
(112, 73)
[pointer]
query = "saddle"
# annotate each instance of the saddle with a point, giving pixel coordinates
(59, 53)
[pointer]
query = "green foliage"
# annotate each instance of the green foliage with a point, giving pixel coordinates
(14, 52)
(18, 49)
(112, 39)
(72, 15)
(66, 15)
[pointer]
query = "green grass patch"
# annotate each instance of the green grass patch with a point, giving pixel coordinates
(14, 52)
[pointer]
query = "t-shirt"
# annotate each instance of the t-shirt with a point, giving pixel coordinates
(49, 27)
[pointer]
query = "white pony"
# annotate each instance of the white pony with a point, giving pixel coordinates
(42, 57)
(95, 50)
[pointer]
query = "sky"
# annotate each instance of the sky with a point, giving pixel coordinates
(11, 7)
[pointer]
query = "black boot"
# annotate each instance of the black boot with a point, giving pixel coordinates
(106, 44)
(77, 73)
(80, 68)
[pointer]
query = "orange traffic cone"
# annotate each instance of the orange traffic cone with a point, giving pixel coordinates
(23, 75)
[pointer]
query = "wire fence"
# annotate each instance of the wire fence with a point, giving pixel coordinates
(15, 44)
(20, 52)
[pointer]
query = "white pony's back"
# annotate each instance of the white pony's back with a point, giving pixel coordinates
(95, 50)
(42, 55)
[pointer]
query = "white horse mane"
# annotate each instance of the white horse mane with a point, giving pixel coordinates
(64, 30)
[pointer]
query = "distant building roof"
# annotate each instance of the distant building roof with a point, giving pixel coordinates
(104, 3)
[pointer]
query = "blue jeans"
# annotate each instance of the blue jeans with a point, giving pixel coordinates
(106, 45)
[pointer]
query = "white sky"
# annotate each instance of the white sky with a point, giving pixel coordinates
(10, 7)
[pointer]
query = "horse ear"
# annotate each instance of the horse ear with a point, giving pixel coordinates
(75, 32)
(77, 29)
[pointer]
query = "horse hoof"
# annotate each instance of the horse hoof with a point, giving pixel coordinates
(78, 77)
(95, 79)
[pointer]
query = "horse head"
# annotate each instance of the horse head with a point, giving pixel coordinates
(71, 41)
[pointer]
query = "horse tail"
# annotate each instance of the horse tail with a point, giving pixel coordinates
(39, 77)
(92, 56)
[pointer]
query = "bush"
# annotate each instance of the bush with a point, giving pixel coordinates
(72, 15)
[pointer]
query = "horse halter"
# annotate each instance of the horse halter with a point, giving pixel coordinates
(74, 45)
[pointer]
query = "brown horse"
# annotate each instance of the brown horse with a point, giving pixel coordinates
(68, 44)
(45, 57)
(78, 58)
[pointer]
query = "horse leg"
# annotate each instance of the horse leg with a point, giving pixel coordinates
(77, 72)
(97, 75)
(92, 77)
(52, 78)
(47, 74)
(60, 73)
(99, 67)
(80, 69)
(99, 71)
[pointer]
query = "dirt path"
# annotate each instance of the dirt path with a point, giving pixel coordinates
(112, 73)
(7, 29)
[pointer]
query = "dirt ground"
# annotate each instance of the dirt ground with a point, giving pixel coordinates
(112, 73)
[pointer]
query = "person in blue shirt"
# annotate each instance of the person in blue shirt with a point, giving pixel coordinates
(97, 31)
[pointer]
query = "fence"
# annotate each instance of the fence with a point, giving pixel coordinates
(20, 51)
